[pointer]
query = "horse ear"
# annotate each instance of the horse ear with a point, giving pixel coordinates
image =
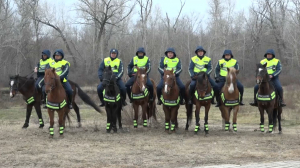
(228, 69)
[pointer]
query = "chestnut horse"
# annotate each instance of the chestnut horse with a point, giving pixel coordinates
(202, 97)
(230, 98)
(267, 99)
(140, 96)
(56, 100)
(170, 99)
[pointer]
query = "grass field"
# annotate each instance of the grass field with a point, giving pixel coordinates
(91, 146)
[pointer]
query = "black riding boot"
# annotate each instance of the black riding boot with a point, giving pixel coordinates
(191, 92)
(282, 103)
(158, 97)
(128, 90)
(254, 103)
(70, 98)
(44, 100)
(241, 100)
(150, 94)
(123, 96)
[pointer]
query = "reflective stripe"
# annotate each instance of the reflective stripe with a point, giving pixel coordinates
(271, 65)
(196, 128)
(140, 62)
(41, 121)
(171, 63)
(200, 63)
(114, 64)
(111, 99)
(172, 127)
(226, 64)
(135, 123)
(167, 125)
(206, 97)
(30, 100)
(266, 97)
(230, 102)
(56, 106)
(145, 122)
(107, 126)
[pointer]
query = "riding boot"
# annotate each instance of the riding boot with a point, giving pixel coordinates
(128, 90)
(123, 95)
(282, 103)
(241, 100)
(254, 103)
(150, 94)
(158, 97)
(213, 100)
(70, 97)
(218, 101)
(100, 95)
(191, 92)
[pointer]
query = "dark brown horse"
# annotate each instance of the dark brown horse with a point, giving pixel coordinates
(56, 100)
(170, 99)
(202, 97)
(140, 96)
(32, 97)
(230, 98)
(267, 99)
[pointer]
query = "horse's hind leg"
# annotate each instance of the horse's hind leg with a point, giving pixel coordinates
(76, 109)
(39, 114)
(109, 120)
(145, 110)
(173, 113)
(114, 118)
(279, 119)
(226, 112)
(167, 118)
(136, 113)
(28, 114)
(51, 118)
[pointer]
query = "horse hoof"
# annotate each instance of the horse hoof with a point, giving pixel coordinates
(280, 132)
(107, 131)
(166, 131)
(134, 126)
(41, 126)
(25, 125)
(79, 125)
(61, 136)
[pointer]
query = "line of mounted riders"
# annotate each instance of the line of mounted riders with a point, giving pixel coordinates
(53, 88)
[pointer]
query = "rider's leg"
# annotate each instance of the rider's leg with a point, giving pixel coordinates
(159, 91)
(128, 85)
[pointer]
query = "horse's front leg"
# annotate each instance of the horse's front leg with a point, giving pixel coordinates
(28, 114)
(39, 114)
(262, 119)
(136, 113)
(207, 107)
(197, 113)
(119, 115)
(173, 112)
(62, 113)
(234, 120)
(279, 119)
(51, 118)
(167, 118)
(225, 113)
(270, 116)
(108, 118)
(144, 114)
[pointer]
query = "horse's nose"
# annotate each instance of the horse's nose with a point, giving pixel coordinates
(257, 81)
(143, 88)
(11, 95)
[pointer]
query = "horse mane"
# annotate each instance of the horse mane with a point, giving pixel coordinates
(200, 77)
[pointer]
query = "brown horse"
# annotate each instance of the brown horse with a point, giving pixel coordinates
(202, 97)
(32, 97)
(267, 99)
(170, 99)
(140, 96)
(230, 98)
(56, 100)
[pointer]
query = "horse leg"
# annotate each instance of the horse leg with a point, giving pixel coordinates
(262, 119)
(176, 115)
(136, 113)
(108, 116)
(235, 111)
(144, 112)
(189, 111)
(37, 107)
(207, 107)
(119, 109)
(226, 118)
(173, 113)
(279, 119)
(167, 118)
(61, 118)
(76, 109)
(114, 119)
(274, 118)
(270, 115)
(28, 114)
(197, 113)
(51, 118)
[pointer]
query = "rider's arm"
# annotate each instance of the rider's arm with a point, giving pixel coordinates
(278, 69)
(100, 70)
(130, 68)
(191, 68)
(178, 69)
(148, 65)
(161, 66)
(217, 71)
(120, 71)
(237, 66)
(65, 71)
(209, 68)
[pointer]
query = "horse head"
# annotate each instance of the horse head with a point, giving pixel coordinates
(108, 76)
(231, 79)
(13, 85)
(141, 77)
(169, 80)
(51, 80)
(202, 84)
(261, 73)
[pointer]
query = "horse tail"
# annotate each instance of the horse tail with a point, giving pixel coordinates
(86, 98)
(153, 104)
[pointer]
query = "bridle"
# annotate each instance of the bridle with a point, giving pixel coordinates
(206, 87)
(18, 87)
(52, 85)
(110, 82)
(173, 83)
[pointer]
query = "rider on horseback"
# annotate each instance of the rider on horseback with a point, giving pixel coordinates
(117, 67)
(140, 60)
(40, 70)
(200, 63)
(170, 61)
(221, 73)
(274, 69)
(62, 67)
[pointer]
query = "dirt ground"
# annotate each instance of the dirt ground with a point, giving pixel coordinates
(91, 146)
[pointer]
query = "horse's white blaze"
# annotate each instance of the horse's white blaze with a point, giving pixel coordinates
(166, 88)
(231, 88)
(143, 75)
(168, 76)
(11, 84)
(143, 88)
(260, 69)
(257, 81)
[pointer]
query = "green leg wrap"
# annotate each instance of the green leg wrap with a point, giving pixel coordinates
(227, 127)
(206, 127)
(172, 127)
(51, 130)
(145, 123)
(107, 126)
(135, 123)
(270, 128)
(262, 129)
(234, 127)
(41, 122)
(61, 130)
(167, 126)
(196, 128)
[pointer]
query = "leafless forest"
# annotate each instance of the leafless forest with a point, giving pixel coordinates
(29, 26)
